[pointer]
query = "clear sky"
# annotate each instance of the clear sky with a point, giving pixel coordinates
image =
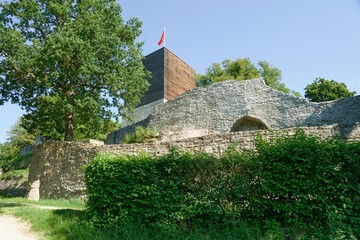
(305, 39)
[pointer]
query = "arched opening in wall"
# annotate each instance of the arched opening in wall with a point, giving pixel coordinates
(248, 123)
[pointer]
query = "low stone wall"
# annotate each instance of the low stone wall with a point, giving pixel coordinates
(56, 169)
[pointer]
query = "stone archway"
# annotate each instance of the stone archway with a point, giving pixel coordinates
(248, 123)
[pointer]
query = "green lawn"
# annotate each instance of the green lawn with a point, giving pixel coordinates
(70, 221)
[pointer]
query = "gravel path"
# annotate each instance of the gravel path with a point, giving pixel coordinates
(12, 228)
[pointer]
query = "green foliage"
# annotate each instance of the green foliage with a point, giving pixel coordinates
(72, 222)
(71, 203)
(172, 189)
(13, 175)
(240, 69)
(272, 77)
(202, 80)
(243, 69)
(304, 180)
(297, 185)
(68, 224)
(322, 90)
(18, 136)
(69, 63)
(141, 135)
(10, 158)
(15, 163)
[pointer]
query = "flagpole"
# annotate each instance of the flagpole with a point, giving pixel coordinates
(164, 37)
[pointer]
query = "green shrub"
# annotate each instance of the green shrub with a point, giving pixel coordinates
(291, 185)
(169, 190)
(141, 135)
(304, 180)
(17, 162)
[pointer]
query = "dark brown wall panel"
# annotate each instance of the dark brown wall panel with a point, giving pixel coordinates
(179, 76)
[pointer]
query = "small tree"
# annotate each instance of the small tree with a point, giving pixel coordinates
(326, 90)
(243, 69)
(69, 63)
(17, 139)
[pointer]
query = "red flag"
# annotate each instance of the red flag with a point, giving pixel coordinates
(162, 39)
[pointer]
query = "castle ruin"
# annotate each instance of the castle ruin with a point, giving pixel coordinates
(233, 106)
(206, 119)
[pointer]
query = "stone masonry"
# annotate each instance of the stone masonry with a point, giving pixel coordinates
(232, 106)
(56, 169)
(170, 77)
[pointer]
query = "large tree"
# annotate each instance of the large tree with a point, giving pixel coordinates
(68, 63)
(243, 69)
(326, 90)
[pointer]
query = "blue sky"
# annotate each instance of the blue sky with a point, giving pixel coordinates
(305, 39)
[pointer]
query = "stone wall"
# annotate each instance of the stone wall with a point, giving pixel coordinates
(142, 112)
(56, 169)
(222, 107)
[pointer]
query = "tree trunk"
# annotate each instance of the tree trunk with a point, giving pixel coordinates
(69, 127)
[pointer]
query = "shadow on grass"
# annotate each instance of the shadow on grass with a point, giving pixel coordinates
(79, 227)
(71, 224)
(7, 205)
(13, 192)
(71, 214)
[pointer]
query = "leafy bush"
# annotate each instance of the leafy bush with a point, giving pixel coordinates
(11, 159)
(306, 180)
(298, 182)
(141, 135)
(19, 162)
(10, 151)
(172, 189)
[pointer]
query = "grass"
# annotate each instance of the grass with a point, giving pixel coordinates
(72, 222)
(60, 203)
(68, 224)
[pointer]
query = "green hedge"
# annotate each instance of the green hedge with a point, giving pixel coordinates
(293, 180)
(172, 189)
(306, 180)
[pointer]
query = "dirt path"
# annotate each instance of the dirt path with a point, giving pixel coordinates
(12, 228)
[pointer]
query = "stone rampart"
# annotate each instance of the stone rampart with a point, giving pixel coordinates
(242, 105)
(56, 169)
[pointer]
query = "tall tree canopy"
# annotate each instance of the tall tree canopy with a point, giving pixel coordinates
(243, 69)
(68, 63)
(326, 90)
